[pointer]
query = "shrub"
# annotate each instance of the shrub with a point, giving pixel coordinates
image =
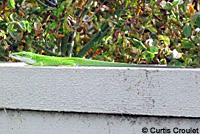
(143, 32)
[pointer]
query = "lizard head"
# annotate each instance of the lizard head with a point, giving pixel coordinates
(23, 56)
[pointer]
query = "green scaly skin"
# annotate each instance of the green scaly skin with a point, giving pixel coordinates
(42, 60)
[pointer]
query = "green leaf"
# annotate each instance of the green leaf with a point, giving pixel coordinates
(13, 34)
(148, 55)
(198, 21)
(151, 28)
(36, 25)
(28, 26)
(139, 43)
(3, 34)
(176, 2)
(187, 31)
(11, 4)
(176, 63)
(153, 50)
(165, 39)
(197, 40)
(22, 25)
(59, 11)
(166, 5)
(12, 17)
(186, 43)
(53, 25)
(163, 61)
(12, 31)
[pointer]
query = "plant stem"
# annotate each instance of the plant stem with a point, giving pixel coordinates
(72, 44)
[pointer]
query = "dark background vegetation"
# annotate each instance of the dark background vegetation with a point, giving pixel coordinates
(131, 31)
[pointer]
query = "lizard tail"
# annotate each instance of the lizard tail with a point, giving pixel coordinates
(88, 62)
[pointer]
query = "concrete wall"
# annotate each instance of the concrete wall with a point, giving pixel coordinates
(32, 122)
(107, 92)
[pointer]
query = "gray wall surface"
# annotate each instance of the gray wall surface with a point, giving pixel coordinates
(114, 90)
(32, 122)
(98, 100)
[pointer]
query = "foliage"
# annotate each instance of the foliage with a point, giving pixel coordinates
(132, 31)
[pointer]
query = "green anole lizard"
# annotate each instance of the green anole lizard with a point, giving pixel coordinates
(42, 60)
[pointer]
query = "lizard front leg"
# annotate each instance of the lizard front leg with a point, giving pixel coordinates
(38, 64)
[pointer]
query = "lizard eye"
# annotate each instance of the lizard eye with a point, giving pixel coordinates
(24, 55)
